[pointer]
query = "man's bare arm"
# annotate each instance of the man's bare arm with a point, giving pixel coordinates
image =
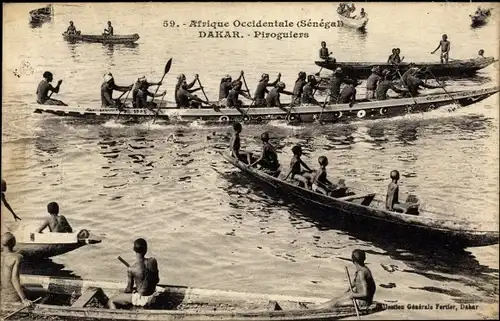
(7, 205)
(130, 281)
(16, 282)
(43, 226)
(361, 287)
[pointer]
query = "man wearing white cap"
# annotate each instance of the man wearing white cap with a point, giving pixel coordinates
(107, 87)
(137, 86)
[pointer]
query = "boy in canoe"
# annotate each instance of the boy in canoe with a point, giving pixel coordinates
(445, 46)
(11, 288)
(363, 288)
(4, 201)
(320, 183)
(392, 197)
(268, 157)
(55, 222)
(235, 145)
(144, 275)
(296, 165)
(43, 89)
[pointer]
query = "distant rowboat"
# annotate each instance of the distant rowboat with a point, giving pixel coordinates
(355, 23)
(41, 15)
(115, 39)
(87, 299)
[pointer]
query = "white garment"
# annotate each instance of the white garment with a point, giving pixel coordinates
(141, 300)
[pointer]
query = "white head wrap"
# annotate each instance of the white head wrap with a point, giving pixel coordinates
(107, 77)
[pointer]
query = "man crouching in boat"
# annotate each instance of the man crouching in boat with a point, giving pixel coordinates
(235, 145)
(141, 100)
(107, 87)
(363, 288)
(12, 290)
(144, 274)
(43, 90)
(268, 159)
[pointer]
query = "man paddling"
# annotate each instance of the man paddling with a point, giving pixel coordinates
(445, 46)
(334, 84)
(187, 100)
(142, 279)
(43, 90)
(181, 79)
(273, 98)
(413, 82)
(138, 85)
(298, 88)
(11, 289)
(107, 87)
(308, 91)
(384, 86)
(142, 97)
(412, 70)
(348, 94)
(363, 289)
(371, 83)
(4, 201)
(261, 90)
(55, 222)
(232, 100)
(109, 30)
(225, 87)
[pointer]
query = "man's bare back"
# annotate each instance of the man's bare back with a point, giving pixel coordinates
(56, 224)
(145, 276)
(364, 278)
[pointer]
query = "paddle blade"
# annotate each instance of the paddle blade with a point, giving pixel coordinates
(168, 65)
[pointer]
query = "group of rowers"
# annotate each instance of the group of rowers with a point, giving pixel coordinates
(346, 10)
(143, 275)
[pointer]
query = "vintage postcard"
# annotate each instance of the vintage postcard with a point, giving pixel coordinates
(250, 161)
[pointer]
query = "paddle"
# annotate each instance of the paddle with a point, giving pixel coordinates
(118, 100)
(245, 113)
(58, 83)
(401, 77)
(323, 108)
(21, 309)
(317, 74)
(167, 69)
(202, 89)
(350, 290)
(446, 91)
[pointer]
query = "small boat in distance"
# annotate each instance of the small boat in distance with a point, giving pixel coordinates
(38, 16)
(480, 17)
(87, 299)
(352, 207)
(344, 12)
(107, 39)
(354, 23)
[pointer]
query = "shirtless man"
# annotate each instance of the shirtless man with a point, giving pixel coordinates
(384, 86)
(234, 95)
(334, 84)
(261, 90)
(363, 288)
(186, 100)
(142, 97)
(4, 200)
(296, 165)
(144, 274)
(414, 83)
(372, 82)
(309, 89)
(320, 183)
(137, 86)
(298, 88)
(348, 94)
(181, 79)
(55, 222)
(107, 87)
(324, 53)
(71, 29)
(225, 86)
(235, 145)
(109, 30)
(273, 98)
(445, 46)
(43, 89)
(268, 157)
(12, 290)
(392, 197)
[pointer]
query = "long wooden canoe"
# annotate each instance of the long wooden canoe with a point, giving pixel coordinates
(354, 23)
(36, 246)
(454, 68)
(115, 39)
(86, 299)
(353, 207)
(303, 113)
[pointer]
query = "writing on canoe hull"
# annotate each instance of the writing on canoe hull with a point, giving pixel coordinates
(129, 111)
(253, 28)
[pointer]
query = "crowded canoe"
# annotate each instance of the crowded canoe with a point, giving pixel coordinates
(349, 18)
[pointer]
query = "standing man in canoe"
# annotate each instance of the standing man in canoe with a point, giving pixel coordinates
(372, 82)
(225, 87)
(109, 30)
(235, 145)
(138, 85)
(144, 275)
(71, 29)
(55, 222)
(261, 90)
(363, 289)
(43, 90)
(4, 200)
(107, 87)
(182, 80)
(445, 46)
(142, 97)
(298, 88)
(324, 53)
(11, 288)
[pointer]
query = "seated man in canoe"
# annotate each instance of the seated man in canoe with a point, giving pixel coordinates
(4, 201)
(298, 88)
(108, 31)
(187, 100)
(445, 46)
(392, 198)
(11, 288)
(386, 84)
(334, 85)
(43, 89)
(144, 275)
(372, 82)
(320, 183)
(309, 89)
(273, 98)
(71, 29)
(232, 100)
(137, 86)
(55, 222)
(296, 172)
(413, 83)
(142, 97)
(363, 289)
(324, 53)
(362, 14)
(348, 94)
(261, 90)
(225, 87)
(181, 79)
(480, 53)
(268, 159)
(107, 87)
(235, 145)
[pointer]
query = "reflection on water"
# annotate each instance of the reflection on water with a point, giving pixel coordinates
(46, 267)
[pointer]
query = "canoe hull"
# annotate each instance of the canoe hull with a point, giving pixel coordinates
(359, 24)
(457, 68)
(41, 15)
(126, 39)
(340, 113)
(42, 251)
(184, 303)
(353, 216)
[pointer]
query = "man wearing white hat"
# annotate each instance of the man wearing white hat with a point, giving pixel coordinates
(107, 87)
(137, 86)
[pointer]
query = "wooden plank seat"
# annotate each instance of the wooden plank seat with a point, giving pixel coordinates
(366, 199)
(274, 306)
(91, 296)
